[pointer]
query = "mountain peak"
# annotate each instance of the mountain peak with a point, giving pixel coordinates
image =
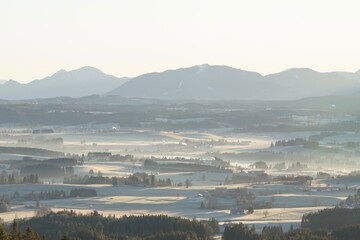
(202, 68)
(85, 69)
(76, 83)
(88, 69)
(60, 72)
(205, 65)
(297, 69)
(11, 82)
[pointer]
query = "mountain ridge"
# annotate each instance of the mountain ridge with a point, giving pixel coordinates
(75, 83)
(223, 82)
(207, 82)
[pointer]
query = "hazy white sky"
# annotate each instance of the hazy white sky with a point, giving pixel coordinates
(128, 38)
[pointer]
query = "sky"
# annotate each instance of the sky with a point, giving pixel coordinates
(132, 37)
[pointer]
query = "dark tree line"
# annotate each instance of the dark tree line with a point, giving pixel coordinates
(296, 142)
(11, 179)
(45, 170)
(242, 232)
(331, 218)
(70, 225)
(30, 151)
(96, 227)
(182, 166)
(14, 233)
(83, 192)
(132, 180)
(53, 194)
(327, 224)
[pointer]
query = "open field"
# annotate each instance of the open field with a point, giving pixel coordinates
(289, 203)
(171, 201)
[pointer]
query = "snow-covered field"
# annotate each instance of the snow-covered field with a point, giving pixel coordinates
(288, 207)
(289, 202)
(174, 201)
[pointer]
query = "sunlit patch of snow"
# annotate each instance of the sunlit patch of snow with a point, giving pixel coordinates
(202, 68)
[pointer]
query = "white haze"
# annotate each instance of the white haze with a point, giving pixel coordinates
(128, 38)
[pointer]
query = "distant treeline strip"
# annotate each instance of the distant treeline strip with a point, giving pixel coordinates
(30, 151)
(186, 167)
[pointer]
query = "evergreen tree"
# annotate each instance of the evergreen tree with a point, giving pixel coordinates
(15, 233)
(3, 234)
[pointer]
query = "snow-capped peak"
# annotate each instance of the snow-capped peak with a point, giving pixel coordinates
(202, 68)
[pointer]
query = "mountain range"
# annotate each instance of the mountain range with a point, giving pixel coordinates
(222, 82)
(205, 81)
(77, 83)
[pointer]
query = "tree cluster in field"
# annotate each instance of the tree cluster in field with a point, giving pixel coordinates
(352, 200)
(67, 161)
(44, 170)
(11, 179)
(301, 180)
(41, 140)
(56, 167)
(291, 142)
(259, 165)
(108, 156)
(62, 162)
(183, 166)
(263, 165)
(33, 196)
(97, 227)
(295, 142)
(5, 204)
(298, 166)
(248, 178)
(122, 158)
(140, 179)
(83, 192)
(241, 198)
(54, 194)
(279, 166)
(217, 161)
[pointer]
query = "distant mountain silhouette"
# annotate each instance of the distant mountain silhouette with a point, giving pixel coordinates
(222, 82)
(77, 83)
(304, 82)
(197, 82)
